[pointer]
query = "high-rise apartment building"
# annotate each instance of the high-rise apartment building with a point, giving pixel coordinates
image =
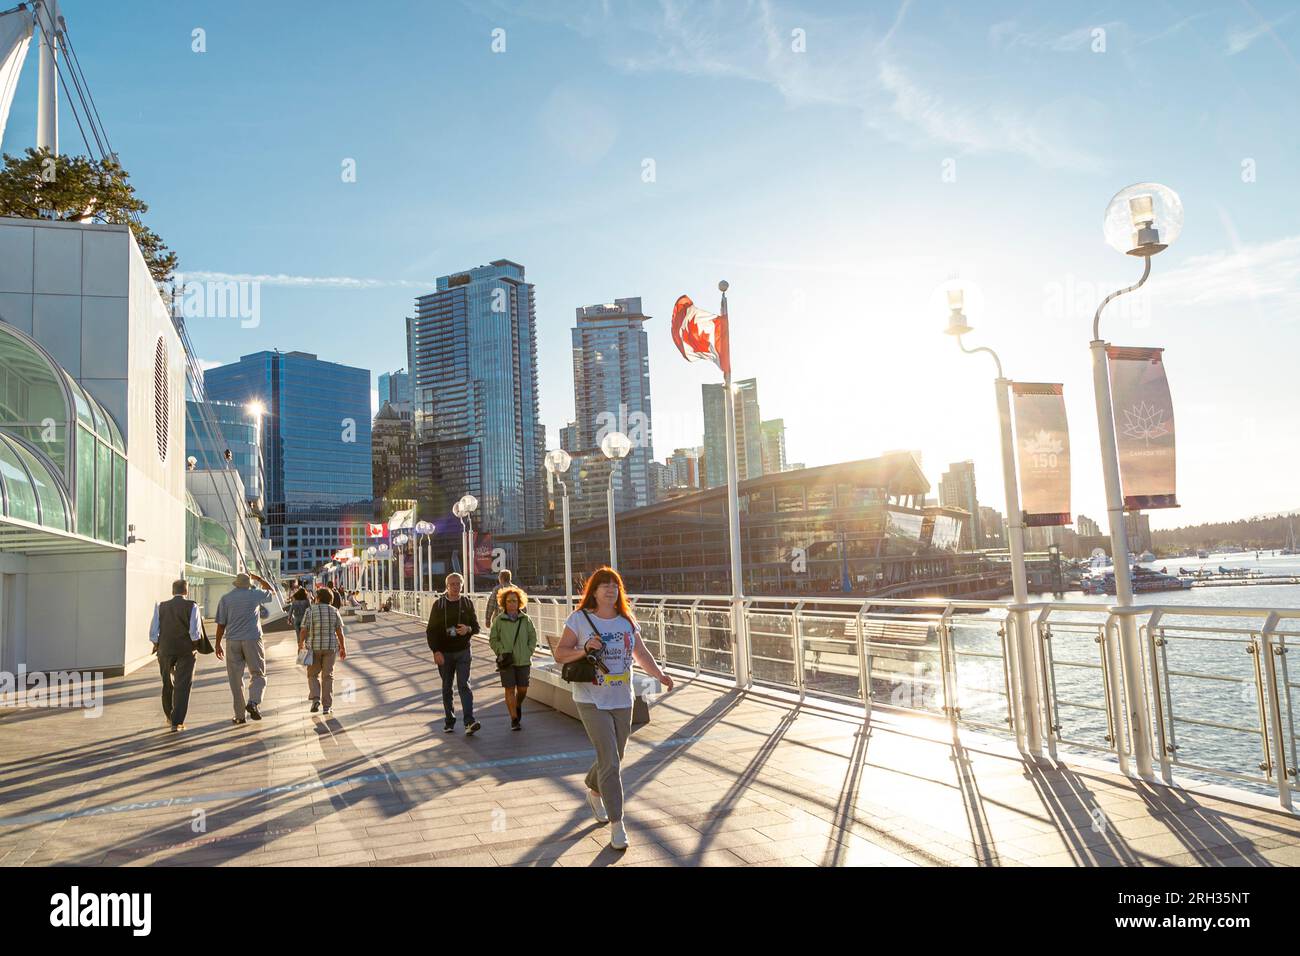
(1087, 528)
(315, 446)
(472, 347)
(993, 526)
(957, 490)
(773, 432)
(749, 432)
(611, 392)
(684, 468)
(569, 437)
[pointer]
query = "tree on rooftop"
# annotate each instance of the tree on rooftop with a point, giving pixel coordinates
(40, 185)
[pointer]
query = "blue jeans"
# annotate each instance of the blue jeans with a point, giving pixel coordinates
(456, 663)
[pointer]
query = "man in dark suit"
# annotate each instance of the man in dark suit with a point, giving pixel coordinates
(175, 632)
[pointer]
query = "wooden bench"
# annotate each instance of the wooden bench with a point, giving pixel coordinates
(874, 632)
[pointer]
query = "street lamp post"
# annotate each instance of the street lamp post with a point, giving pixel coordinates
(557, 463)
(369, 585)
(1022, 656)
(422, 531)
(400, 541)
(614, 446)
(1141, 220)
(464, 509)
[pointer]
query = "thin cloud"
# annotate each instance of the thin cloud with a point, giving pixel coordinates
(1266, 273)
(976, 130)
(1007, 35)
(301, 282)
(1240, 40)
(715, 40)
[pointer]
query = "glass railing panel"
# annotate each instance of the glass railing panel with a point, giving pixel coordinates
(980, 668)
(904, 661)
(830, 655)
(772, 652)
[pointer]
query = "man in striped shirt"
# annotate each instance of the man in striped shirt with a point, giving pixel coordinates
(322, 631)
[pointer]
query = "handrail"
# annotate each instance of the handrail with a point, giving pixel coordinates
(935, 676)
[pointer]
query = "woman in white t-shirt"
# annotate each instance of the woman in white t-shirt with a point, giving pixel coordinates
(604, 626)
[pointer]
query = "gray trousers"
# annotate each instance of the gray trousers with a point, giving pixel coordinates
(320, 674)
(608, 731)
(250, 655)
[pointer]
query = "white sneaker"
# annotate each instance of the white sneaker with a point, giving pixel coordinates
(597, 807)
(618, 836)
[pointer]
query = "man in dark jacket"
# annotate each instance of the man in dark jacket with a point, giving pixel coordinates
(175, 633)
(452, 622)
(493, 608)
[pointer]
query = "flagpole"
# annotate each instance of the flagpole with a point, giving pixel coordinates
(733, 522)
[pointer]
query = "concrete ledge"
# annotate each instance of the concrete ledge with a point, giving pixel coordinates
(546, 686)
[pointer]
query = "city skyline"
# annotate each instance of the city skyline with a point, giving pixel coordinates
(884, 155)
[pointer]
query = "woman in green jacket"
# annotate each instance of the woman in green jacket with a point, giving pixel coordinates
(513, 640)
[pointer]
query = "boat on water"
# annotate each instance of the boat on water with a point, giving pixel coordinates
(1290, 541)
(1146, 556)
(1202, 554)
(1144, 580)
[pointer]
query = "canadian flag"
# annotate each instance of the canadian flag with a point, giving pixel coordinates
(701, 335)
(376, 530)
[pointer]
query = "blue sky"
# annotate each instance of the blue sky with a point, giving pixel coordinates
(834, 186)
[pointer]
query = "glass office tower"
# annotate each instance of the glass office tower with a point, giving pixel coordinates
(236, 432)
(472, 349)
(394, 387)
(316, 444)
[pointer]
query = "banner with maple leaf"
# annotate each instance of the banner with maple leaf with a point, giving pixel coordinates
(1144, 427)
(1042, 453)
(700, 335)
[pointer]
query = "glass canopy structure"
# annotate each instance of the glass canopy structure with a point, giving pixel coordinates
(62, 458)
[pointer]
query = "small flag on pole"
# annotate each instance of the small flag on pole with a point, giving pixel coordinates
(701, 335)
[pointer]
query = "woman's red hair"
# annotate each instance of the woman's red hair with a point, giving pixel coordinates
(599, 577)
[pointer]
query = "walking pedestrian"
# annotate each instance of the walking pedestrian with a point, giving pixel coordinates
(493, 608)
(322, 631)
(175, 632)
(603, 627)
(452, 622)
(513, 639)
(239, 620)
(300, 601)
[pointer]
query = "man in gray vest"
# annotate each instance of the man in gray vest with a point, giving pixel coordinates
(175, 632)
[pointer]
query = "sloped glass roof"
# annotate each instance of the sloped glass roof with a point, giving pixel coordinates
(29, 487)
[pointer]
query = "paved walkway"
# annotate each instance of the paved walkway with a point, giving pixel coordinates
(715, 779)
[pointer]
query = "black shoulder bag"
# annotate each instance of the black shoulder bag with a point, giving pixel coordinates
(583, 670)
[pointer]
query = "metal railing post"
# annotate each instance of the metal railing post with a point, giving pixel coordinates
(1012, 648)
(1155, 640)
(1112, 678)
(1268, 650)
(864, 662)
(796, 631)
(695, 636)
(948, 670)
